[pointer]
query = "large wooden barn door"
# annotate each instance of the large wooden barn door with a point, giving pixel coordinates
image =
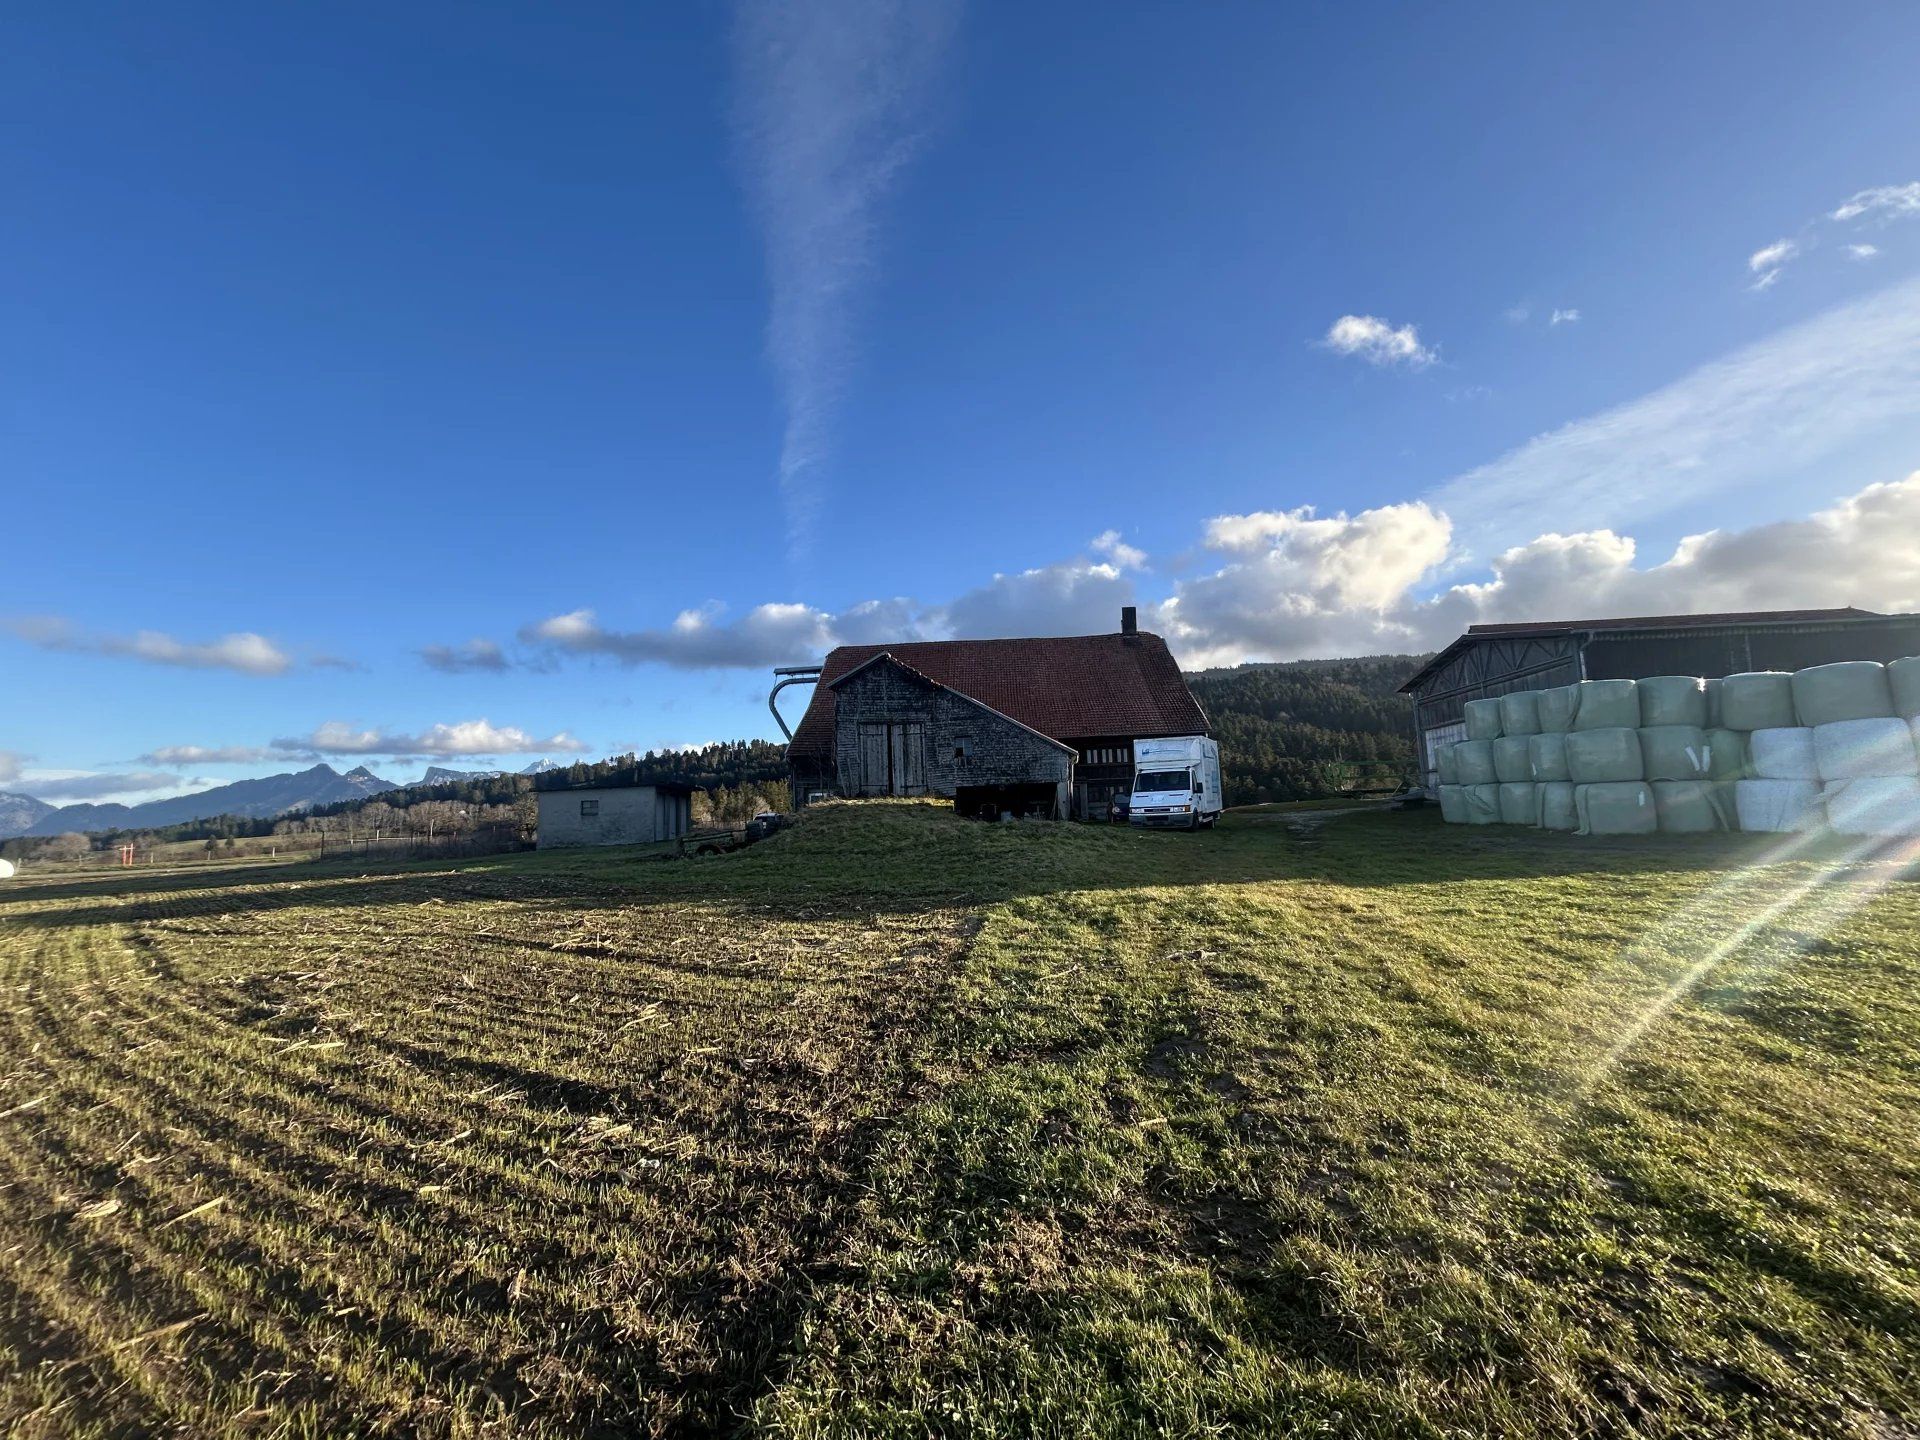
(893, 757)
(909, 758)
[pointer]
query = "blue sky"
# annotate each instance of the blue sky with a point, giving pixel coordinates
(652, 346)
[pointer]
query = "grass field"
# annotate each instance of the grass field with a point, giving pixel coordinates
(1315, 1125)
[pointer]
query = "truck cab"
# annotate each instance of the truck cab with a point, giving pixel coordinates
(1176, 783)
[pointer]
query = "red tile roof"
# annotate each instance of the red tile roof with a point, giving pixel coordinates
(1080, 687)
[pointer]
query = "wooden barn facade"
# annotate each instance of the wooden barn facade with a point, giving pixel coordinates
(1027, 727)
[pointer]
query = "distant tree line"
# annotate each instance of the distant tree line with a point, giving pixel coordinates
(1296, 731)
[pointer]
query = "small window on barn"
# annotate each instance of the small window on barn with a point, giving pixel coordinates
(962, 746)
(589, 808)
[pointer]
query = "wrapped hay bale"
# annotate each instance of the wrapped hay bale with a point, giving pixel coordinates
(1473, 762)
(1727, 755)
(1673, 700)
(1600, 757)
(1712, 688)
(1512, 759)
(1449, 768)
(1606, 705)
(1520, 713)
(1864, 749)
(1616, 808)
(1557, 810)
(1483, 719)
(1784, 754)
(1844, 690)
(1903, 679)
(1547, 753)
(1876, 805)
(1483, 804)
(1453, 804)
(1519, 805)
(1694, 807)
(1674, 752)
(1757, 700)
(1777, 807)
(1556, 708)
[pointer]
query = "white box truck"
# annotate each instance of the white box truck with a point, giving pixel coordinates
(1176, 783)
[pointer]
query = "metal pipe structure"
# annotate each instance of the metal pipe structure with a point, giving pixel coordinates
(789, 675)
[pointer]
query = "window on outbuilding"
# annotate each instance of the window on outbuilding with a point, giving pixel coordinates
(589, 808)
(962, 746)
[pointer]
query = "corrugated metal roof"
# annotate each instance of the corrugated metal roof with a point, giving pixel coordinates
(1719, 620)
(1067, 687)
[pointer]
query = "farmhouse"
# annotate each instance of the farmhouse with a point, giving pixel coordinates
(1027, 726)
(613, 814)
(1493, 660)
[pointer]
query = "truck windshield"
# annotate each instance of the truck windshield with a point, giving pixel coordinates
(1163, 780)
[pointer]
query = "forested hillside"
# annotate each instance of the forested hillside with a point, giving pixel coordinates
(1289, 731)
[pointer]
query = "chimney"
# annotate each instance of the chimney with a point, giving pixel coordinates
(1129, 620)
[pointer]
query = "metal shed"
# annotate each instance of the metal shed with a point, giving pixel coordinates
(1537, 655)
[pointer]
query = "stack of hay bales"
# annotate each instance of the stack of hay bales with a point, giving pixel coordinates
(1769, 751)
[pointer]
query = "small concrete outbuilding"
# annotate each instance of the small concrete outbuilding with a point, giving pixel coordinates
(614, 814)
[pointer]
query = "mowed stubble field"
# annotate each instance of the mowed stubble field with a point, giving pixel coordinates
(898, 1124)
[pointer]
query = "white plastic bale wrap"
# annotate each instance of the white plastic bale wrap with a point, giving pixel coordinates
(1557, 808)
(1903, 680)
(1556, 708)
(1877, 805)
(1777, 807)
(1675, 752)
(1600, 757)
(1694, 807)
(1547, 753)
(1616, 808)
(1483, 804)
(1519, 805)
(1606, 705)
(1520, 713)
(1844, 690)
(1453, 804)
(1727, 755)
(1513, 759)
(1673, 700)
(1447, 765)
(1784, 754)
(1712, 689)
(1483, 719)
(1473, 762)
(1757, 700)
(1864, 749)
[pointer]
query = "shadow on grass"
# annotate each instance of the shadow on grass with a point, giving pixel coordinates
(888, 858)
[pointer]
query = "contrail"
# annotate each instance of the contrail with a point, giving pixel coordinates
(830, 103)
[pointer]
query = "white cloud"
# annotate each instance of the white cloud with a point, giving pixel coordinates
(1296, 586)
(1375, 341)
(1768, 261)
(1862, 252)
(220, 755)
(244, 651)
(11, 762)
(1073, 597)
(468, 737)
(1517, 314)
(1296, 583)
(1890, 202)
(83, 785)
(1769, 410)
(1127, 557)
(1564, 317)
(773, 634)
(476, 654)
(830, 107)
